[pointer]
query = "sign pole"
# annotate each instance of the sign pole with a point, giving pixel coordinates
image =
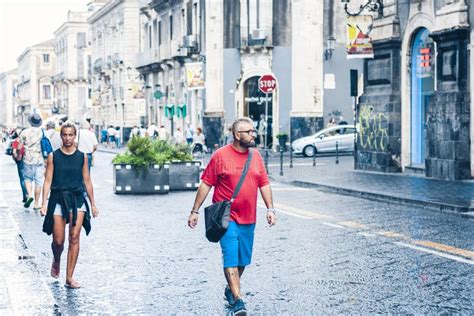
(265, 136)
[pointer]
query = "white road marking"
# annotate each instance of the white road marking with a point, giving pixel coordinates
(290, 189)
(434, 252)
(333, 225)
(264, 208)
(296, 164)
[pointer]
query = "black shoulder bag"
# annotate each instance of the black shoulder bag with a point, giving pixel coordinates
(217, 215)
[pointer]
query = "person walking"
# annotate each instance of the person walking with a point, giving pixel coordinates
(111, 136)
(34, 163)
(66, 176)
(18, 152)
(53, 135)
(189, 134)
(223, 173)
(87, 142)
(162, 133)
(199, 141)
(262, 129)
(178, 136)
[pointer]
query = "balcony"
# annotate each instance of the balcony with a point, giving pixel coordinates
(148, 57)
(98, 65)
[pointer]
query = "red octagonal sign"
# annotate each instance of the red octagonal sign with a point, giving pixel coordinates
(267, 83)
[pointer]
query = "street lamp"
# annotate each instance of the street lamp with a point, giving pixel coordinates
(371, 6)
(329, 47)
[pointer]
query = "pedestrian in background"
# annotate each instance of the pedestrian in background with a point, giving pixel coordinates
(228, 136)
(262, 128)
(66, 176)
(103, 136)
(34, 163)
(223, 173)
(135, 131)
(86, 142)
(178, 136)
(111, 136)
(189, 134)
(162, 133)
(118, 137)
(53, 135)
(199, 141)
(18, 153)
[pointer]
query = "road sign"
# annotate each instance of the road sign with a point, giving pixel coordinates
(158, 94)
(267, 83)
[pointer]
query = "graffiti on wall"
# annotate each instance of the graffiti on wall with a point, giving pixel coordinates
(373, 128)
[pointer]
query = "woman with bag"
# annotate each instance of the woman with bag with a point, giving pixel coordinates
(67, 174)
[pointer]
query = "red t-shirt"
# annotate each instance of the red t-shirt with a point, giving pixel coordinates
(223, 173)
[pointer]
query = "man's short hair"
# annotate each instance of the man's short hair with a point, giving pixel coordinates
(238, 122)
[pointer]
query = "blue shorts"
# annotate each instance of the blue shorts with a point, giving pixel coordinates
(237, 245)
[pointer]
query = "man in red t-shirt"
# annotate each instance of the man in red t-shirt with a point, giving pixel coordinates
(223, 173)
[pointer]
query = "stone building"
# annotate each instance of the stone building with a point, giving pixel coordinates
(8, 109)
(171, 38)
(416, 109)
(235, 42)
(116, 88)
(36, 68)
(73, 63)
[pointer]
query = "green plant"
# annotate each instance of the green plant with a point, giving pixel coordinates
(142, 151)
(281, 135)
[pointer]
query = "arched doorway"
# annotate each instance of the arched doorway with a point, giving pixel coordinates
(422, 87)
(256, 108)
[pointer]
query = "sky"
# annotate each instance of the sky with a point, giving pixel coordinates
(24, 23)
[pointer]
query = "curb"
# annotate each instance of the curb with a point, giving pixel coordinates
(465, 211)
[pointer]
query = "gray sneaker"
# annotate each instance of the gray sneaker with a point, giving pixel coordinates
(229, 296)
(239, 308)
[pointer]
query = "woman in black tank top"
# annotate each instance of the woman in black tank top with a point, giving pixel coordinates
(67, 177)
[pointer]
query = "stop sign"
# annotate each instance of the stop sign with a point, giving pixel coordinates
(267, 83)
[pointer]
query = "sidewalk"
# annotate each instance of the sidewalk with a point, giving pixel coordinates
(22, 289)
(452, 196)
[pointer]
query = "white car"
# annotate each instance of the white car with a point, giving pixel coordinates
(325, 141)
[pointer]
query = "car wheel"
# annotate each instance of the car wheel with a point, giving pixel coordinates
(309, 151)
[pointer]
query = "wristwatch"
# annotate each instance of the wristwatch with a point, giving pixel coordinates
(271, 210)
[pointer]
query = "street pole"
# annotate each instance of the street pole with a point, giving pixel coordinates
(266, 127)
(355, 130)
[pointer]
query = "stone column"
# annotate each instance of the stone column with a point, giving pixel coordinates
(379, 110)
(213, 118)
(448, 117)
(306, 116)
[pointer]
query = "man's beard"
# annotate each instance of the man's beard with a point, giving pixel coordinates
(247, 144)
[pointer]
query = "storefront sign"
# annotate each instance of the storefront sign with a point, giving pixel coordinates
(359, 43)
(195, 76)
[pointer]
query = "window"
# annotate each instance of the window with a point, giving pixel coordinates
(171, 27)
(159, 32)
(47, 92)
(149, 37)
(46, 58)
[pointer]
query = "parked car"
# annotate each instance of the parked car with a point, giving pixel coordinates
(325, 141)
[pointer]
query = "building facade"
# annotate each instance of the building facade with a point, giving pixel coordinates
(73, 67)
(36, 68)
(415, 113)
(233, 43)
(117, 97)
(171, 38)
(8, 81)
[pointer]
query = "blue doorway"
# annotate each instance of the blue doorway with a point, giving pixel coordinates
(422, 87)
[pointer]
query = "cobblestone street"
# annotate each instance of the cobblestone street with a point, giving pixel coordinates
(328, 254)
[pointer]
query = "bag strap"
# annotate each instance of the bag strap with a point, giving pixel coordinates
(242, 177)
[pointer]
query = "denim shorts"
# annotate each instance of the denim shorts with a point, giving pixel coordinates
(58, 211)
(34, 173)
(237, 245)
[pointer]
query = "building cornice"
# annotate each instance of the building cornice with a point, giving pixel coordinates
(104, 11)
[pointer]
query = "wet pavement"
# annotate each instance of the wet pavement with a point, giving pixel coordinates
(455, 196)
(328, 254)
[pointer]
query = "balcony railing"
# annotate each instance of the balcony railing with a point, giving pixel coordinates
(148, 57)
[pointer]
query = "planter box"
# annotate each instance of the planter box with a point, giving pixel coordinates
(129, 179)
(184, 175)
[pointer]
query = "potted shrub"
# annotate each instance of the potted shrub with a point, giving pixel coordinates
(184, 172)
(141, 170)
(282, 139)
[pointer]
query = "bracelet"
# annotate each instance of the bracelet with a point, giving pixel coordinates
(271, 210)
(195, 212)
